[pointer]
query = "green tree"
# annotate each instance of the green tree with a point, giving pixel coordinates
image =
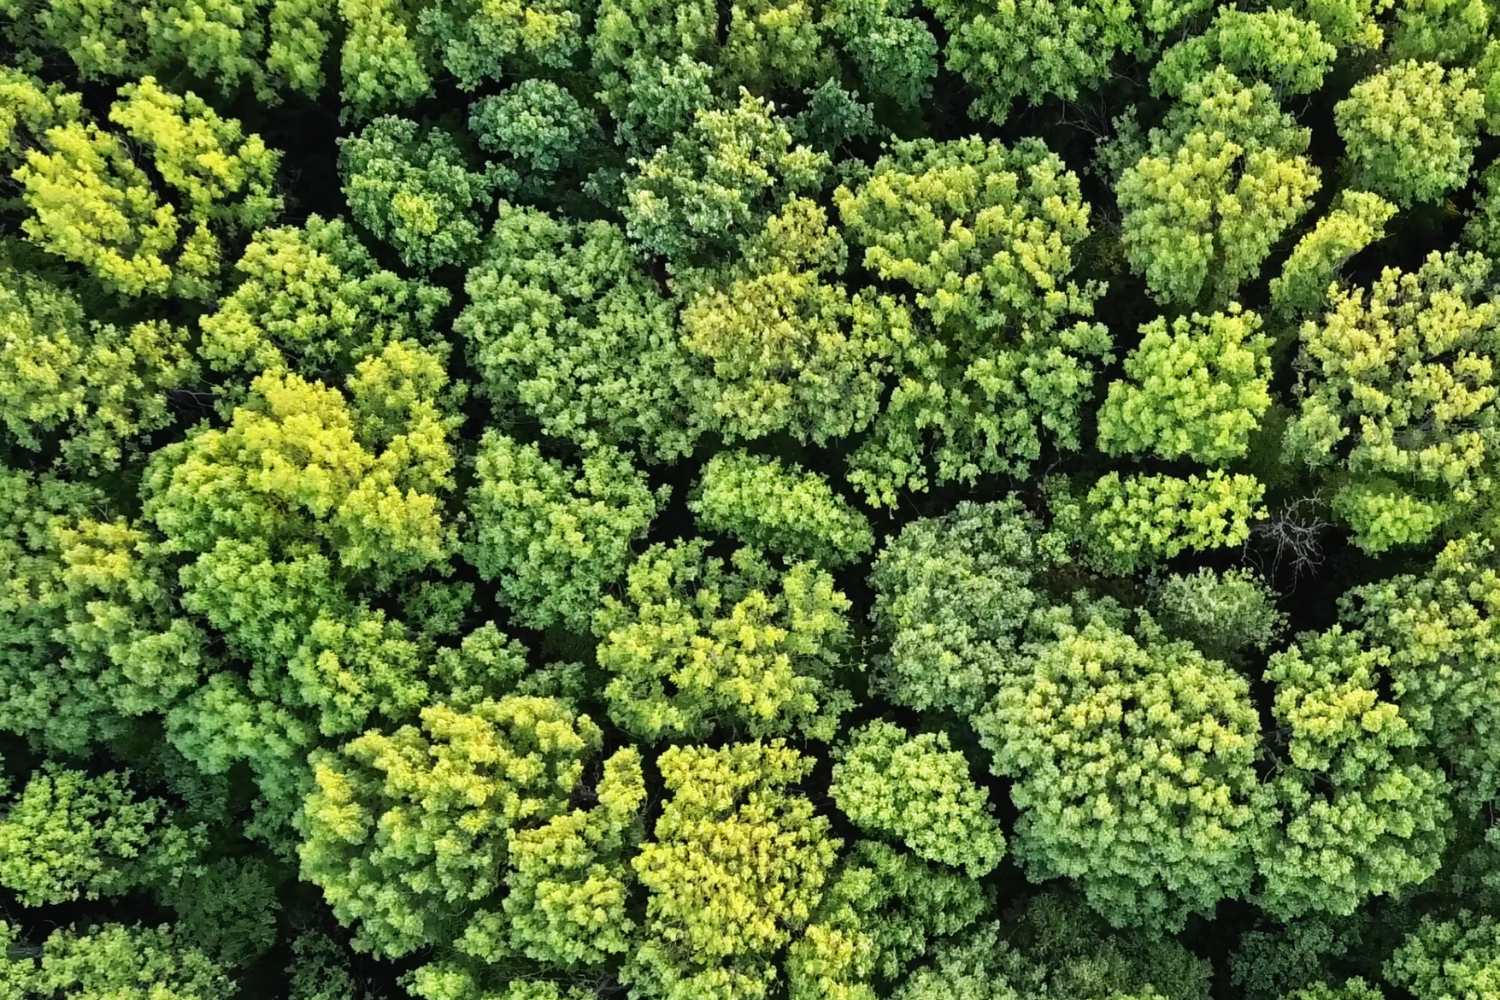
(780, 346)
(779, 508)
(1357, 220)
(553, 537)
(738, 865)
(411, 188)
(270, 46)
(1449, 959)
(312, 299)
(717, 181)
(86, 391)
(1358, 810)
(952, 595)
(1396, 386)
(1220, 182)
(385, 64)
(1410, 130)
(1133, 766)
(71, 836)
(694, 645)
(1224, 614)
(1198, 390)
(562, 325)
(107, 962)
(405, 831)
(918, 790)
(540, 131)
(894, 52)
(479, 41)
(1137, 521)
(92, 637)
(1432, 629)
(984, 237)
(1042, 48)
(882, 912)
(1275, 47)
(1443, 31)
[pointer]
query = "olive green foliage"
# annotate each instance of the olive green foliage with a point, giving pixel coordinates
(1135, 522)
(86, 389)
(1396, 388)
(1410, 130)
(110, 961)
(1451, 958)
(412, 188)
(552, 536)
(312, 299)
(1133, 759)
(983, 237)
(717, 181)
(1432, 632)
(952, 596)
(782, 347)
(538, 129)
(1356, 221)
(738, 863)
(562, 324)
(917, 790)
(1218, 184)
(779, 508)
(883, 911)
(90, 641)
(384, 64)
(1198, 390)
(1363, 811)
(694, 645)
(405, 831)
(1226, 615)
(69, 836)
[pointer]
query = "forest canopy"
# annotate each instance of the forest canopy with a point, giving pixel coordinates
(749, 500)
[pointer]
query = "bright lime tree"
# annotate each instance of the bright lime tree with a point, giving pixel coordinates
(738, 864)
(694, 646)
(1198, 390)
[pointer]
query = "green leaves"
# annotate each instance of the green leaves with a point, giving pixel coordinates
(1133, 762)
(405, 831)
(695, 646)
(738, 864)
(1199, 391)
(1361, 812)
(554, 537)
(1410, 130)
(780, 509)
(918, 790)
(411, 187)
(1000, 356)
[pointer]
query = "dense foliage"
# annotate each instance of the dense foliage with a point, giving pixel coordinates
(749, 500)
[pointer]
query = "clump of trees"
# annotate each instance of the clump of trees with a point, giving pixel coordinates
(809, 499)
